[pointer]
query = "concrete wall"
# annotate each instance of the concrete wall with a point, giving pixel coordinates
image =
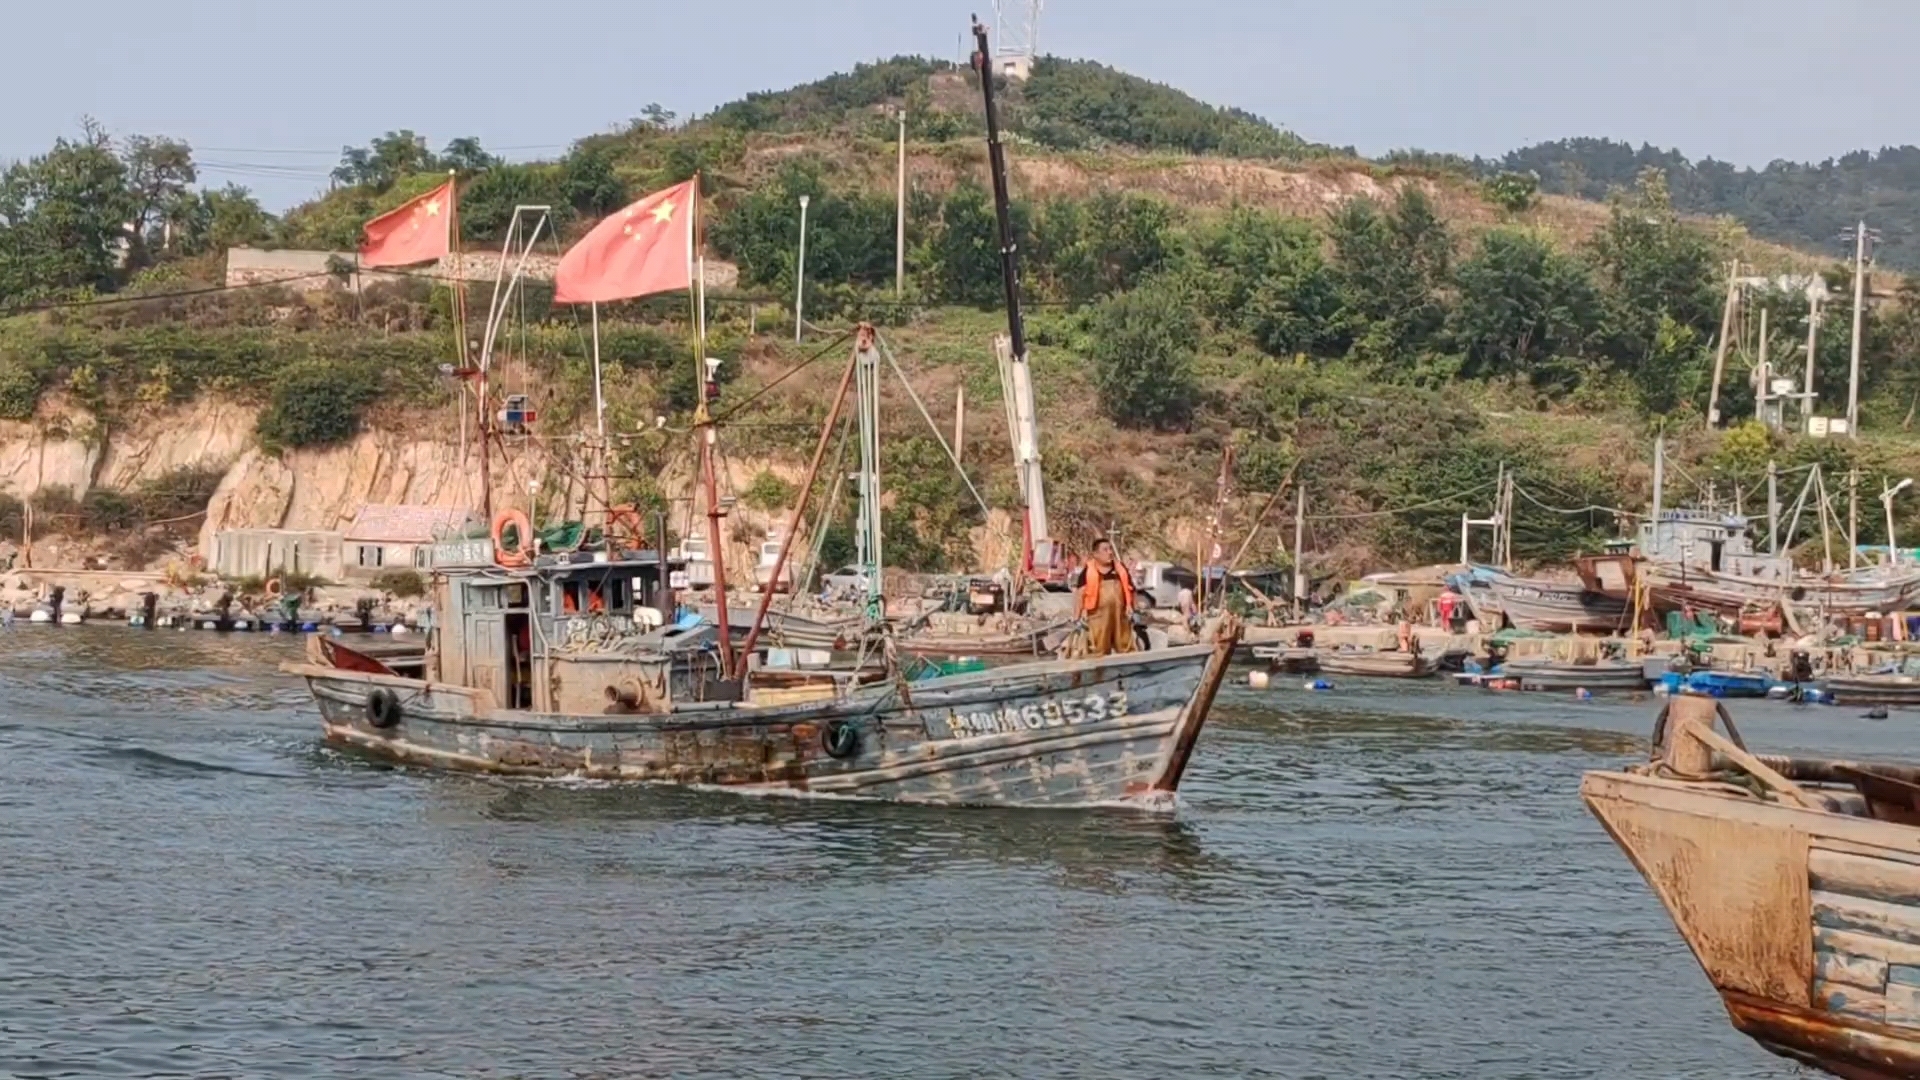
(262, 553)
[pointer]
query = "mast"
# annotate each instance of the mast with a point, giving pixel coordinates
(867, 533)
(459, 288)
(706, 434)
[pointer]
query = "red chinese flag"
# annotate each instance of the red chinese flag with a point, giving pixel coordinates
(645, 249)
(416, 231)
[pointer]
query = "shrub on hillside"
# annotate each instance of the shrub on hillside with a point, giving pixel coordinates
(1143, 356)
(315, 404)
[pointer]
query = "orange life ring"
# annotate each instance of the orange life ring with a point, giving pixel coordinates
(523, 534)
(273, 586)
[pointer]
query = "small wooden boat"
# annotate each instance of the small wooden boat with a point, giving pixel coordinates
(1872, 689)
(1795, 882)
(1289, 659)
(1554, 675)
(1379, 664)
(1536, 604)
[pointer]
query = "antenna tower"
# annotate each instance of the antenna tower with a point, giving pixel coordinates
(1016, 27)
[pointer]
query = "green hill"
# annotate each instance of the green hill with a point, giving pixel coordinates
(1805, 205)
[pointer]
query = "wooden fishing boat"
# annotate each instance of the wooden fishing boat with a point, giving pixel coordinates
(1379, 664)
(1795, 882)
(1552, 607)
(516, 685)
(1872, 689)
(1555, 675)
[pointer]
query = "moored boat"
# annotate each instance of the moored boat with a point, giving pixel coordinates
(1554, 675)
(1795, 882)
(1872, 689)
(1380, 664)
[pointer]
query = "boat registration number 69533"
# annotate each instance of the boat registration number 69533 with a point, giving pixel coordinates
(1062, 713)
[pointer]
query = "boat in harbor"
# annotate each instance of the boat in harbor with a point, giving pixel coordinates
(1558, 675)
(512, 686)
(1794, 881)
(1872, 688)
(1376, 663)
(1538, 604)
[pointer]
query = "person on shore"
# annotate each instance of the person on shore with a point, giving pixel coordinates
(1106, 602)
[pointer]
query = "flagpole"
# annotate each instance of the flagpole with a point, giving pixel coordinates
(600, 442)
(706, 433)
(457, 283)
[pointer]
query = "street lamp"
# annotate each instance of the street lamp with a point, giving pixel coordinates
(800, 272)
(1886, 503)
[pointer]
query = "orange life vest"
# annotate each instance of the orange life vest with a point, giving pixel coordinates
(1090, 589)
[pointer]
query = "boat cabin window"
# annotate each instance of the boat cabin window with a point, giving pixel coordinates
(593, 596)
(1714, 549)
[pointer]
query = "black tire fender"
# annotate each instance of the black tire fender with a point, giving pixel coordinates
(840, 739)
(383, 708)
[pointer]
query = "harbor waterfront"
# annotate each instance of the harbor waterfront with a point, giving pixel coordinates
(1386, 880)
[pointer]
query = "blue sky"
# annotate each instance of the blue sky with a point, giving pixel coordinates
(267, 91)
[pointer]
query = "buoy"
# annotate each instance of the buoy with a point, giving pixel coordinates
(521, 555)
(1257, 679)
(70, 618)
(1319, 684)
(1581, 693)
(40, 614)
(273, 586)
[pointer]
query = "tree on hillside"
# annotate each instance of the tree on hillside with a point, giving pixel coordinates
(1264, 274)
(849, 235)
(466, 156)
(1520, 305)
(1663, 277)
(158, 172)
(213, 221)
(384, 160)
(1102, 245)
(1391, 267)
(1143, 353)
(63, 219)
(963, 256)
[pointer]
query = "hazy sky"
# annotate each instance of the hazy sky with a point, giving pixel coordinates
(267, 91)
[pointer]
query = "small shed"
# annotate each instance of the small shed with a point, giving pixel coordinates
(384, 537)
(265, 553)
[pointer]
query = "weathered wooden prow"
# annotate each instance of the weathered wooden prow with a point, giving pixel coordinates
(326, 652)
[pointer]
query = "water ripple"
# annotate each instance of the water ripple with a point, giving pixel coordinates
(1363, 883)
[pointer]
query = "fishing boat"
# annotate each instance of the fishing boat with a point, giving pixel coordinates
(1376, 663)
(1555, 675)
(1553, 607)
(514, 685)
(1794, 881)
(1872, 688)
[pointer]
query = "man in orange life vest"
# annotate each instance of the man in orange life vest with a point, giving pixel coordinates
(1106, 602)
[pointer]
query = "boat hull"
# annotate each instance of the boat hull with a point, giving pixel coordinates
(1379, 665)
(1057, 733)
(1806, 922)
(1873, 689)
(1618, 677)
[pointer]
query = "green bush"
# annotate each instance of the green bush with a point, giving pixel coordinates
(314, 404)
(767, 492)
(403, 584)
(1143, 356)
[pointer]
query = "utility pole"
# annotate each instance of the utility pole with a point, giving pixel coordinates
(800, 273)
(1773, 509)
(1299, 557)
(1809, 403)
(1853, 519)
(900, 216)
(1763, 376)
(1720, 350)
(1859, 309)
